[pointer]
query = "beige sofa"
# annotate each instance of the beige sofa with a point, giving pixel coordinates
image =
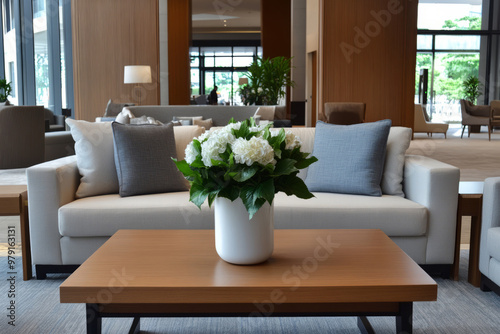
(65, 230)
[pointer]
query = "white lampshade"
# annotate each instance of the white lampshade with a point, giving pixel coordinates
(135, 74)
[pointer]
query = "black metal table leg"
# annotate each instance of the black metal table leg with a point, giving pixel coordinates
(136, 326)
(94, 319)
(364, 325)
(404, 321)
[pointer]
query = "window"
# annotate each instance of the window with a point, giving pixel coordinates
(12, 79)
(450, 45)
(8, 15)
(223, 67)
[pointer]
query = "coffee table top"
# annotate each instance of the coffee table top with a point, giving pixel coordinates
(307, 266)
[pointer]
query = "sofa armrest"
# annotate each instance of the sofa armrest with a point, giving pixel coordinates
(434, 184)
(490, 217)
(51, 185)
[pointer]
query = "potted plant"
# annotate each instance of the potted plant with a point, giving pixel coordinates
(268, 79)
(471, 89)
(5, 90)
(240, 168)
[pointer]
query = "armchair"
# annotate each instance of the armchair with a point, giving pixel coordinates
(475, 115)
(22, 137)
(53, 122)
(422, 123)
(345, 113)
(489, 252)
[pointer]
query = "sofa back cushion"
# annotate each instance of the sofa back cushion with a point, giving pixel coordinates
(350, 158)
(143, 159)
(95, 154)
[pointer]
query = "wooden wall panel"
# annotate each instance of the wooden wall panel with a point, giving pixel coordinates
(276, 30)
(179, 40)
(368, 55)
(107, 35)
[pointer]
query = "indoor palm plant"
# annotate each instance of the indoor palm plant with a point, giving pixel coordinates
(471, 88)
(5, 90)
(245, 165)
(268, 79)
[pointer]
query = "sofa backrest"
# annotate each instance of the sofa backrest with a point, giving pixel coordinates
(220, 115)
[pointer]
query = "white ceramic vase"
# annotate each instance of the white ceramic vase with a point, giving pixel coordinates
(240, 240)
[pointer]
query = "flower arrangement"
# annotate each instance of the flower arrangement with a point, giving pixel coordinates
(245, 160)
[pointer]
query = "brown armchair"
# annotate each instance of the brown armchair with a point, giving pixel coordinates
(22, 136)
(345, 113)
(475, 116)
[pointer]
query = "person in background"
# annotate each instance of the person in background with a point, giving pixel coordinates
(212, 98)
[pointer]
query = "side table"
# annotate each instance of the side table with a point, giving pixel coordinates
(14, 202)
(470, 202)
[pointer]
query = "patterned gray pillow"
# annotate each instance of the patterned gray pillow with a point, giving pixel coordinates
(143, 159)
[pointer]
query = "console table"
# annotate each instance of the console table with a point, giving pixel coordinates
(14, 202)
(470, 203)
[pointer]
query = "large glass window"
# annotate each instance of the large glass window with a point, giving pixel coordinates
(220, 66)
(42, 78)
(10, 48)
(449, 52)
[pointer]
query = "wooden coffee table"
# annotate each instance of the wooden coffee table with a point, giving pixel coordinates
(177, 273)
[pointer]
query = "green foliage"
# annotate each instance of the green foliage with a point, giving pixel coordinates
(268, 79)
(5, 90)
(254, 184)
(471, 88)
(464, 23)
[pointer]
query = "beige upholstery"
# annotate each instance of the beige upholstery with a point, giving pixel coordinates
(345, 113)
(22, 136)
(422, 125)
(475, 115)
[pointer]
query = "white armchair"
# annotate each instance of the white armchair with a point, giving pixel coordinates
(489, 253)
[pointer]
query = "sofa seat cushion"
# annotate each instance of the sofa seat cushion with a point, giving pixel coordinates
(394, 215)
(493, 242)
(102, 216)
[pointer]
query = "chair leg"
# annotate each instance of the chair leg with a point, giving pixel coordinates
(463, 129)
(489, 133)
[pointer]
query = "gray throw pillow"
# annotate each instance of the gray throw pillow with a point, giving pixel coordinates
(350, 158)
(113, 109)
(143, 159)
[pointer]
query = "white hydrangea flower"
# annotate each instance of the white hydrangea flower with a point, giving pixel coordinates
(254, 150)
(260, 90)
(190, 153)
(258, 128)
(292, 141)
(216, 144)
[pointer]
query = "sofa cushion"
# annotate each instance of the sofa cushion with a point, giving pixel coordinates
(94, 157)
(493, 242)
(396, 216)
(187, 120)
(397, 144)
(350, 158)
(113, 109)
(205, 123)
(143, 159)
(97, 216)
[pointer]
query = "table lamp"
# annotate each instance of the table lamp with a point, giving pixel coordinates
(137, 74)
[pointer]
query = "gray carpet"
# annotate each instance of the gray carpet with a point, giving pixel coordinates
(461, 308)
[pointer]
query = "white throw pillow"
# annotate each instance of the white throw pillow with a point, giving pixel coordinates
(397, 144)
(94, 157)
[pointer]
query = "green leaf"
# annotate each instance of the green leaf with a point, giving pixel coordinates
(266, 191)
(230, 192)
(293, 185)
(285, 167)
(184, 168)
(197, 194)
(245, 173)
(305, 163)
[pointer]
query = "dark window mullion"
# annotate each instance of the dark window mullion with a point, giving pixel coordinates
(54, 54)
(2, 54)
(26, 51)
(68, 53)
